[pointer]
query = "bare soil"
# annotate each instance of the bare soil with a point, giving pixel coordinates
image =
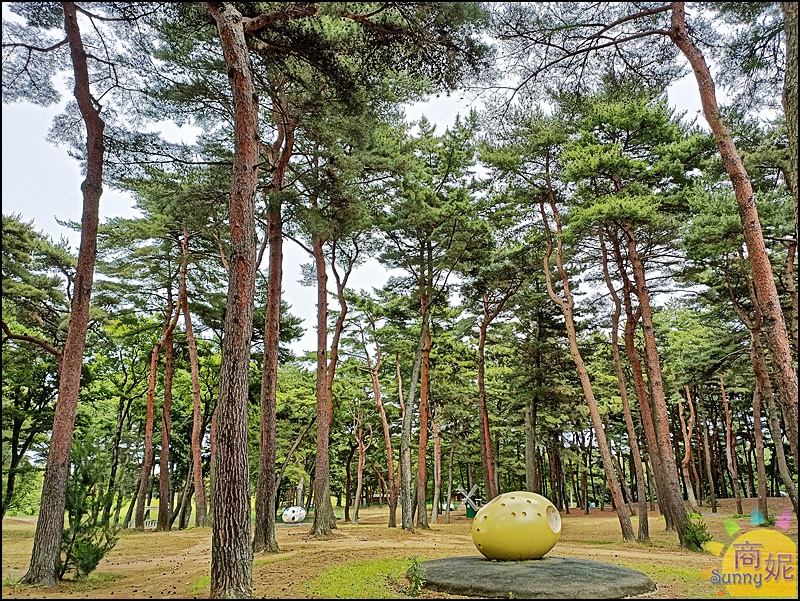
(156, 565)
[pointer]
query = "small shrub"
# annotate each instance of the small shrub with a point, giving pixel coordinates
(770, 520)
(697, 533)
(416, 578)
(85, 541)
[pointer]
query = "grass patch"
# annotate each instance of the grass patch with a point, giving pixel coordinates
(685, 582)
(360, 580)
(201, 583)
(93, 581)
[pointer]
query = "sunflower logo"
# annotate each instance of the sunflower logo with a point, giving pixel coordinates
(760, 562)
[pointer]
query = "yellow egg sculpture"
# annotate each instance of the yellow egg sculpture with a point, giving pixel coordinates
(515, 526)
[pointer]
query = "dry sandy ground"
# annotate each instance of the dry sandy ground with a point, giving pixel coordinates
(153, 565)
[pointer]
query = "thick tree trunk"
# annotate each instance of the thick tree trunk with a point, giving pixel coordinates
(164, 493)
(763, 278)
(47, 539)
(566, 306)
(231, 548)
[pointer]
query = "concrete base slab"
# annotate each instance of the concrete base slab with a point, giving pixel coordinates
(546, 578)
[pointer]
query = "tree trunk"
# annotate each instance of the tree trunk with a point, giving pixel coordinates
(197, 410)
(730, 448)
(405, 439)
(424, 416)
(686, 431)
(644, 527)
(437, 465)
(264, 540)
(487, 460)
(164, 493)
(449, 498)
(322, 517)
(671, 490)
(231, 549)
(566, 305)
(645, 409)
(707, 454)
(147, 460)
(531, 478)
(42, 570)
(763, 279)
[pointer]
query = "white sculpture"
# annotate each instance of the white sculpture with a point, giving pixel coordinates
(294, 515)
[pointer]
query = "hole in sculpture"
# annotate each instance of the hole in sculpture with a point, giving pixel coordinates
(554, 519)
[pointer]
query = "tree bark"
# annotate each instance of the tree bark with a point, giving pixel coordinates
(763, 279)
(42, 570)
(231, 548)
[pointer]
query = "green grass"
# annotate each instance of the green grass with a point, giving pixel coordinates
(201, 583)
(275, 558)
(360, 580)
(93, 581)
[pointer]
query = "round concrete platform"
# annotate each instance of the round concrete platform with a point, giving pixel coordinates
(546, 578)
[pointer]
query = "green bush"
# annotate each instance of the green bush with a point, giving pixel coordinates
(696, 534)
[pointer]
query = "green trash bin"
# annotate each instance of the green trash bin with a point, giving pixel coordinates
(470, 512)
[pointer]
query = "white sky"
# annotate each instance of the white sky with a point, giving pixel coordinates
(41, 182)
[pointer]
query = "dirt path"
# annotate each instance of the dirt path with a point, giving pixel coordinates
(153, 565)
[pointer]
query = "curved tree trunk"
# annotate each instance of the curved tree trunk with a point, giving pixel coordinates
(566, 305)
(42, 570)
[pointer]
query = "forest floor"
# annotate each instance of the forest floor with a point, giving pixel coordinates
(158, 565)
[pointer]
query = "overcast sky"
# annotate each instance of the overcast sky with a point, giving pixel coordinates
(41, 182)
